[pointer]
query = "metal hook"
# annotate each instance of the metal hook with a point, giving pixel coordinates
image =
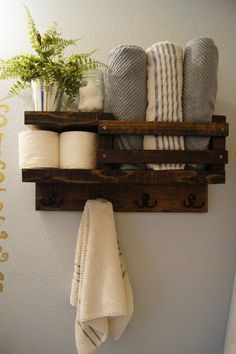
(51, 200)
(145, 198)
(191, 202)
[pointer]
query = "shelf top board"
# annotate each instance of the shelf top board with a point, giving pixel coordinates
(65, 121)
(105, 123)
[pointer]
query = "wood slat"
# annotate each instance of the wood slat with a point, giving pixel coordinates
(164, 128)
(217, 144)
(65, 121)
(142, 177)
(162, 156)
(168, 198)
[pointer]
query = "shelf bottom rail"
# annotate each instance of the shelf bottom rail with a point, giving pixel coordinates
(134, 198)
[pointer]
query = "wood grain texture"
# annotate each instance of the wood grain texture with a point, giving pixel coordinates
(162, 156)
(167, 199)
(65, 121)
(130, 190)
(123, 177)
(216, 128)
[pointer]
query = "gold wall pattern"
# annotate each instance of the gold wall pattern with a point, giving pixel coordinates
(4, 256)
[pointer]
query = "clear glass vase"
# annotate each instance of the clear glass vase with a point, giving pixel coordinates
(46, 98)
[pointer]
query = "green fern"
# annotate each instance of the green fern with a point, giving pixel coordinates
(49, 63)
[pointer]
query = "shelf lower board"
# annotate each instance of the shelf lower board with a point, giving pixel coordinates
(116, 177)
(134, 198)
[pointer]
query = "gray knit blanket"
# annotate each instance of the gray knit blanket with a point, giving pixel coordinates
(199, 86)
(127, 92)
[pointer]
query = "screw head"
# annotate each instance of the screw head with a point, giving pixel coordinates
(104, 155)
(104, 127)
(221, 156)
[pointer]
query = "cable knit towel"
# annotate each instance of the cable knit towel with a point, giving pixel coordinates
(127, 91)
(101, 289)
(164, 94)
(199, 87)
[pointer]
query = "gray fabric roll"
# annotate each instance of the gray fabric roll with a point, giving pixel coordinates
(127, 91)
(199, 86)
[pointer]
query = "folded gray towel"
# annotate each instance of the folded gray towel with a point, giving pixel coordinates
(199, 86)
(127, 90)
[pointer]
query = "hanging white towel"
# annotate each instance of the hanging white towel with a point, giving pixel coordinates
(230, 339)
(164, 95)
(101, 289)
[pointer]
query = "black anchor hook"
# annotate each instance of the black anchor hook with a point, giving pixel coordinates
(51, 200)
(145, 198)
(191, 202)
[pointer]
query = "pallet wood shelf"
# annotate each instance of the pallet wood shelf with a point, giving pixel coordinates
(130, 190)
(112, 176)
(65, 121)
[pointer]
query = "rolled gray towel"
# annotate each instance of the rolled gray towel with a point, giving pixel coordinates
(199, 86)
(127, 91)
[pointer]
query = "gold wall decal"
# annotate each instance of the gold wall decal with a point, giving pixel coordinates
(3, 235)
(1, 280)
(3, 118)
(4, 256)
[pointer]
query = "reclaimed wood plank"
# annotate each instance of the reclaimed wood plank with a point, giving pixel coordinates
(65, 121)
(217, 143)
(133, 177)
(162, 156)
(215, 128)
(185, 198)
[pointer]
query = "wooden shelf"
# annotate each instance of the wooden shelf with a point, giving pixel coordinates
(130, 190)
(65, 121)
(216, 128)
(130, 177)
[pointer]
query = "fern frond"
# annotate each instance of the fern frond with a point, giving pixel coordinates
(91, 64)
(34, 35)
(16, 89)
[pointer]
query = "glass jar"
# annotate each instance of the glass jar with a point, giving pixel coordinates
(46, 97)
(91, 92)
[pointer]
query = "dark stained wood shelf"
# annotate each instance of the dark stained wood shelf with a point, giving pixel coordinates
(110, 176)
(134, 198)
(162, 156)
(164, 128)
(130, 190)
(65, 121)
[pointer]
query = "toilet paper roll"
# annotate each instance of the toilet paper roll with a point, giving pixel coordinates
(78, 150)
(38, 148)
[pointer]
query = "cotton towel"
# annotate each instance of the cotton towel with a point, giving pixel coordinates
(101, 289)
(164, 95)
(200, 85)
(127, 91)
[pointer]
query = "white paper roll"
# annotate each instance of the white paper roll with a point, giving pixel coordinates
(38, 148)
(78, 150)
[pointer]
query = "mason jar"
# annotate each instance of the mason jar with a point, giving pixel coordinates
(91, 92)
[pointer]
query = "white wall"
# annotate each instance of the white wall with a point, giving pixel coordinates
(181, 265)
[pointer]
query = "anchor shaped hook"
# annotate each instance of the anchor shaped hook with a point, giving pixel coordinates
(51, 200)
(145, 198)
(191, 202)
